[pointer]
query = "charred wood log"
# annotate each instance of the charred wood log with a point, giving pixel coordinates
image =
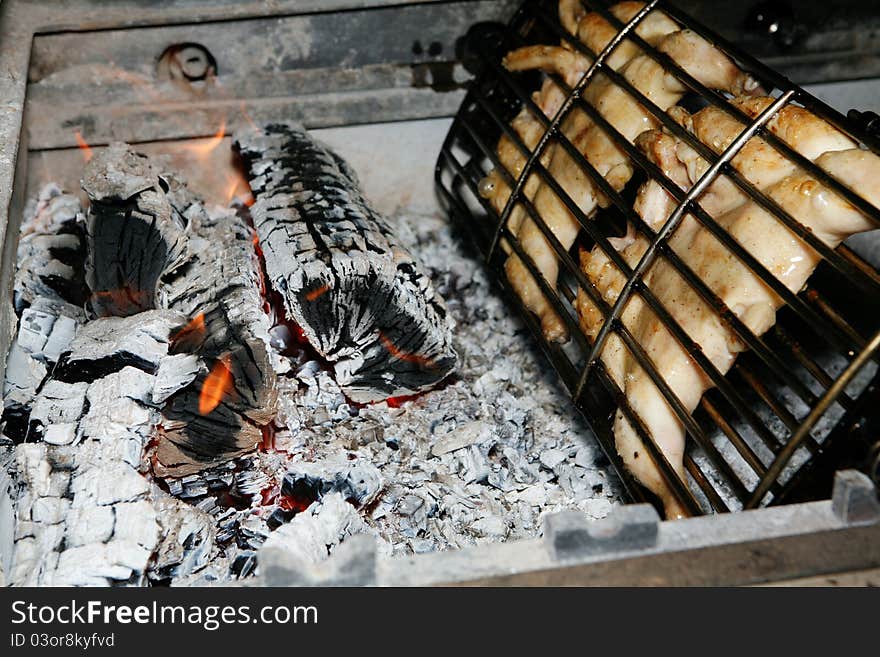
(50, 251)
(360, 299)
(136, 238)
(220, 414)
(154, 245)
(49, 292)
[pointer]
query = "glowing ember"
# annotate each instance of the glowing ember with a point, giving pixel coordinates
(83, 146)
(217, 385)
(405, 356)
(317, 293)
(397, 402)
(121, 300)
(193, 333)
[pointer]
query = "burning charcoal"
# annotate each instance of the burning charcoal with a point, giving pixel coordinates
(175, 373)
(357, 481)
(108, 344)
(219, 414)
(153, 245)
(136, 238)
(48, 293)
(309, 537)
(50, 251)
(278, 517)
(244, 564)
(252, 532)
(188, 538)
(250, 482)
(358, 296)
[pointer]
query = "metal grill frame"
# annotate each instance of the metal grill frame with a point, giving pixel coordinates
(586, 378)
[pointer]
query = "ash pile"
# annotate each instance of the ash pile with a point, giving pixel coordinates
(192, 387)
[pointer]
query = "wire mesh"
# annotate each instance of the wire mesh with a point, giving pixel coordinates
(786, 396)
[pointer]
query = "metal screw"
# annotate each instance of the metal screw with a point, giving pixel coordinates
(186, 61)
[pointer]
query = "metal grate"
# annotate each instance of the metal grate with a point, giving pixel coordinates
(787, 397)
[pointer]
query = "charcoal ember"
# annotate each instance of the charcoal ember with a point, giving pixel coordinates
(175, 372)
(312, 535)
(88, 509)
(279, 516)
(136, 238)
(153, 246)
(244, 564)
(218, 415)
(108, 344)
(51, 251)
(359, 297)
(358, 481)
(188, 539)
(249, 481)
(49, 292)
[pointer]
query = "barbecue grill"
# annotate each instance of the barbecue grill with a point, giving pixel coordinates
(761, 436)
(785, 427)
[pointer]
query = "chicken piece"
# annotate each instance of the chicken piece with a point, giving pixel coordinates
(493, 187)
(596, 33)
(762, 166)
(698, 58)
(570, 14)
(788, 258)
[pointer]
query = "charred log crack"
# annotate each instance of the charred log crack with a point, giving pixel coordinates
(153, 245)
(361, 300)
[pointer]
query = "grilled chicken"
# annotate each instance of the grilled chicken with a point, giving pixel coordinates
(699, 58)
(783, 254)
(596, 33)
(787, 257)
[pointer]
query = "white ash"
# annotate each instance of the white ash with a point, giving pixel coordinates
(74, 498)
(483, 458)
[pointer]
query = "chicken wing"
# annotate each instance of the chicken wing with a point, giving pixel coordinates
(695, 55)
(787, 257)
(764, 167)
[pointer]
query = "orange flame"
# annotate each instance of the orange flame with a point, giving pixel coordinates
(236, 182)
(193, 331)
(83, 146)
(217, 385)
(317, 293)
(204, 147)
(247, 117)
(405, 356)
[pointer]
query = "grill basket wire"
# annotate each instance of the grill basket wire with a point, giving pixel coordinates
(788, 395)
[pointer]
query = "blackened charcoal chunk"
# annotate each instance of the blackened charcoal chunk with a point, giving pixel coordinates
(357, 481)
(135, 236)
(361, 300)
(244, 564)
